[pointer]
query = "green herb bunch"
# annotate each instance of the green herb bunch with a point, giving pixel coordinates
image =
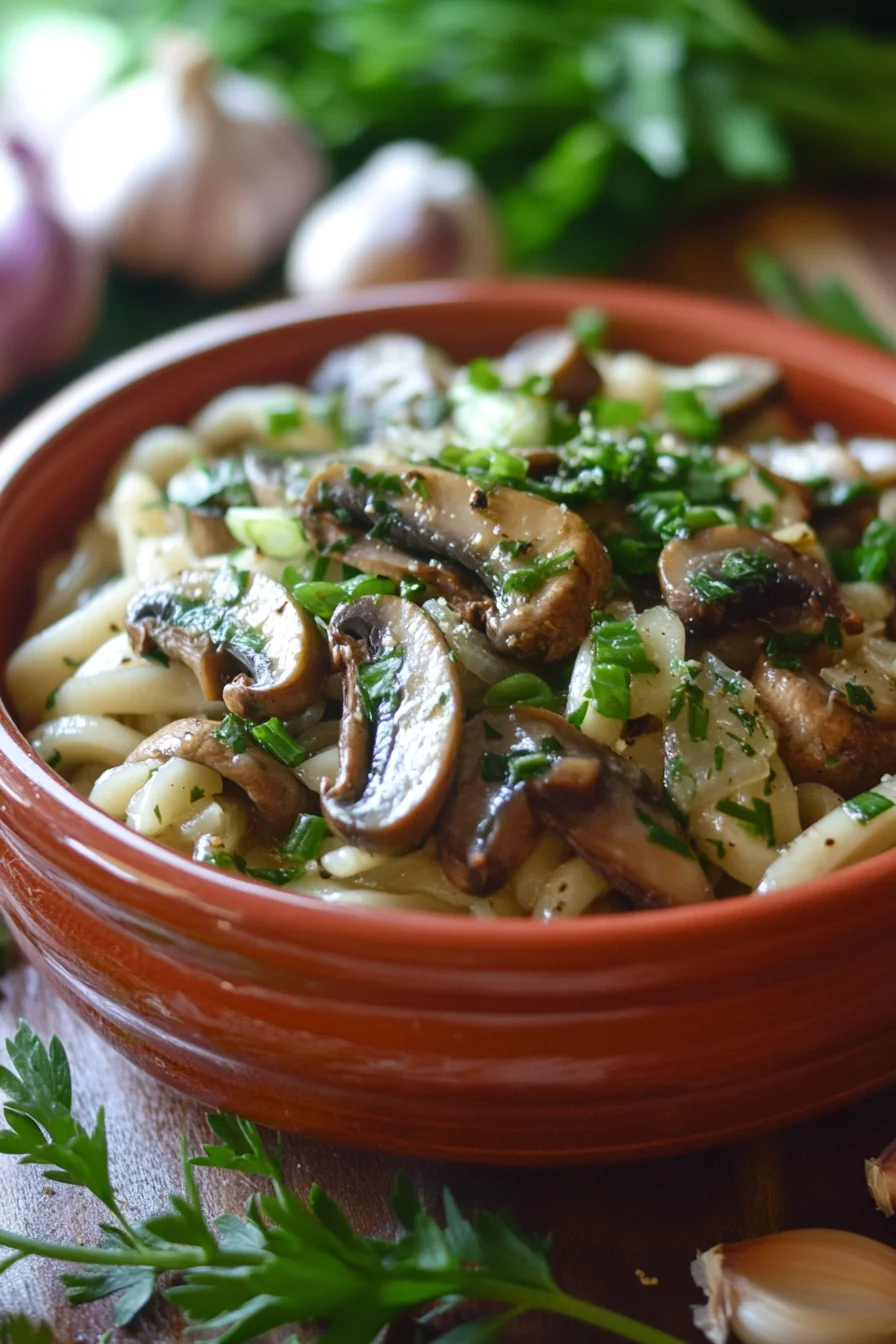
(593, 124)
(284, 1261)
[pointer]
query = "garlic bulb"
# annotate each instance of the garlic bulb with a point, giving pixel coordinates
(407, 214)
(880, 1177)
(810, 1287)
(187, 171)
(50, 283)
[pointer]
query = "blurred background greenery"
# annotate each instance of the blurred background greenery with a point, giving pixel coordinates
(596, 127)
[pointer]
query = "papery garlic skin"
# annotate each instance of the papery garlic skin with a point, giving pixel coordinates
(880, 1177)
(187, 171)
(814, 1286)
(408, 214)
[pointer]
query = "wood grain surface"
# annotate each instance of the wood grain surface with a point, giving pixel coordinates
(623, 1235)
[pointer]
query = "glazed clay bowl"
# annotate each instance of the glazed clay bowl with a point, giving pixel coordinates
(499, 1040)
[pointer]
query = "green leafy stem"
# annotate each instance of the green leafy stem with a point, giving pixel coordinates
(285, 1261)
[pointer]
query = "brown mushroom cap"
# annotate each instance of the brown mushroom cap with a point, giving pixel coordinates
(402, 719)
(250, 642)
(556, 355)
(439, 513)
(276, 794)
(821, 738)
(787, 588)
(602, 805)
(388, 377)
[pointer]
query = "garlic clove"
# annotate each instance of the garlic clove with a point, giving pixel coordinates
(406, 215)
(880, 1176)
(814, 1286)
(187, 171)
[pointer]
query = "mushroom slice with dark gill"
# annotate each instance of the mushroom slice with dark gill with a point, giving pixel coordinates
(723, 576)
(402, 718)
(822, 739)
(390, 377)
(539, 565)
(555, 355)
(274, 791)
(241, 633)
(522, 770)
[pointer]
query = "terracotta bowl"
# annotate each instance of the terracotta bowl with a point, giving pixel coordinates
(498, 1041)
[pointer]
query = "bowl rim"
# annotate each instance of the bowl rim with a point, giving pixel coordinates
(177, 880)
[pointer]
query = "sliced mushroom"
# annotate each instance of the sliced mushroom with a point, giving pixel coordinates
(207, 532)
(556, 355)
(402, 719)
(767, 580)
(386, 378)
(277, 479)
(821, 738)
(524, 769)
(277, 795)
(728, 384)
(492, 533)
(445, 579)
(242, 634)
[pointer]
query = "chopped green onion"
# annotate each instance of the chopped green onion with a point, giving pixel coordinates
(235, 733)
(278, 743)
(611, 690)
(414, 590)
(53, 761)
(523, 688)
(608, 413)
(866, 807)
(306, 837)
(281, 419)
(321, 599)
(377, 684)
(385, 482)
(481, 374)
(486, 463)
(368, 585)
(589, 326)
(274, 532)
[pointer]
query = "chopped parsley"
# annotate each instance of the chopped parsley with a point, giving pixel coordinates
(196, 794)
(413, 590)
(608, 413)
(492, 734)
(866, 807)
(54, 760)
(783, 648)
(686, 411)
(481, 374)
(873, 559)
(859, 696)
(381, 482)
(709, 588)
(756, 820)
(157, 656)
(420, 487)
(658, 835)
(158, 813)
(514, 548)
(718, 754)
(519, 764)
(235, 733)
(698, 714)
(73, 663)
(222, 482)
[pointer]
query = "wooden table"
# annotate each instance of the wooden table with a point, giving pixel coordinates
(623, 1235)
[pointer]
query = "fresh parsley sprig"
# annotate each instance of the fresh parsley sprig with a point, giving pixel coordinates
(286, 1261)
